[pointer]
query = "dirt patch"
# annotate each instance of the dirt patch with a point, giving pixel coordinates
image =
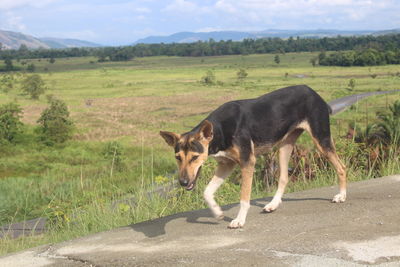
(32, 113)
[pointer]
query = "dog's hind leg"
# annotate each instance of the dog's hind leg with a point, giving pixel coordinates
(341, 172)
(285, 151)
(320, 133)
(223, 170)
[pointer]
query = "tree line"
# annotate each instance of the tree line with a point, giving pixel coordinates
(365, 57)
(214, 48)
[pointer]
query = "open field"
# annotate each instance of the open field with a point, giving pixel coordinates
(130, 102)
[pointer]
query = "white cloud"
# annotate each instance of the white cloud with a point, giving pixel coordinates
(186, 7)
(225, 6)
(142, 10)
(181, 6)
(280, 11)
(12, 22)
(11, 4)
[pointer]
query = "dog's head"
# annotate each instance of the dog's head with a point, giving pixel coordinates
(191, 151)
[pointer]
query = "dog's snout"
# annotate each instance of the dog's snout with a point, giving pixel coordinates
(184, 181)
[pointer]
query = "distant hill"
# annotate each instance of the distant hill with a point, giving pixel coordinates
(66, 43)
(13, 40)
(189, 37)
(394, 31)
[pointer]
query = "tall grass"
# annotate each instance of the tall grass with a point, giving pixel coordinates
(91, 200)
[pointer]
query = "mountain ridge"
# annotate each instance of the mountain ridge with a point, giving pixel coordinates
(14, 40)
(187, 37)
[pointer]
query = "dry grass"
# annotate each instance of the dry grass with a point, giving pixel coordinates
(110, 118)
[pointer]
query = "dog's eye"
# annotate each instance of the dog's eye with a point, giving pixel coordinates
(178, 158)
(194, 158)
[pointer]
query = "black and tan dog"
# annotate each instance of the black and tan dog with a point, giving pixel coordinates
(237, 131)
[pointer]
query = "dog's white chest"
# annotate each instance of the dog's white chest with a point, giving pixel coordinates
(220, 155)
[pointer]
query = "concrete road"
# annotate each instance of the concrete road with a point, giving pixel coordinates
(341, 104)
(307, 230)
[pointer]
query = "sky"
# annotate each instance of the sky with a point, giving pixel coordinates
(122, 22)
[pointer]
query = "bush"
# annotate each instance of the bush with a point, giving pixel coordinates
(352, 84)
(241, 74)
(114, 151)
(209, 78)
(33, 85)
(6, 83)
(277, 59)
(10, 124)
(31, 68)
(55, 125)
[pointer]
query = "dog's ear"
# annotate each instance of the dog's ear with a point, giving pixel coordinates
(170, 138)
(206, 131)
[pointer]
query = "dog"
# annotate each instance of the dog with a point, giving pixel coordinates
(237, 131)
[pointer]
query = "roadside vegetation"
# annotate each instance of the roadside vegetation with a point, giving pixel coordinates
(86, 152)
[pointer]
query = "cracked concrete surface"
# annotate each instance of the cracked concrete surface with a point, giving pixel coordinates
(307, 230)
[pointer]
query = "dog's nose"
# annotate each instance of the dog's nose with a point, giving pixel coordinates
(184, 182)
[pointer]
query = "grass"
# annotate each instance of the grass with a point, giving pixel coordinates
(82, 190)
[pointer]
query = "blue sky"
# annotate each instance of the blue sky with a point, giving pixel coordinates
(122, 21)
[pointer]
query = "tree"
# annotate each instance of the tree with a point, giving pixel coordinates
(9, 64)
(52, 60)
(55, 126)
(33, 85)
(10, 124)
(277, 59)
(314, 61)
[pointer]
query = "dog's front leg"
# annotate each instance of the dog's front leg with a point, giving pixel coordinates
(247, 169)
(223, 170)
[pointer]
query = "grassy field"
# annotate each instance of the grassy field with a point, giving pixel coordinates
(76, 186)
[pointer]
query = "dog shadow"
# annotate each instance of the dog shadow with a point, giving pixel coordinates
(155, 228)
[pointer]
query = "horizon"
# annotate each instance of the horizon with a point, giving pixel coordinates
(123, 22)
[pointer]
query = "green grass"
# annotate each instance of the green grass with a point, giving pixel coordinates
(76, 186)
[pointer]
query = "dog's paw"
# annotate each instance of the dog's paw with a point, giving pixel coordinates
(271, 206)
(236, 223)
(219, 216)
(339, 198)
(217, 212)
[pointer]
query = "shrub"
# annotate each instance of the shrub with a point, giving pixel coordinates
(352, 84)
(33, 85)
(209, 78)
(6, 83)
(31, 68)
(114, 151)
(10, 124)
(241, 74)
(9, 64)
(277, 59)
(55, 125)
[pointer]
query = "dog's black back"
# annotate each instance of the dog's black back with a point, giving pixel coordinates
(265, 120)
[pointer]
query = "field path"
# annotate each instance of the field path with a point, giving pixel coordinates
(307, 230)
(342, 103)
